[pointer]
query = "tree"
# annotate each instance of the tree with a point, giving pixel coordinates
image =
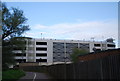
(13, 22)
(7, 55)
(18, 43)
(76, 52)
(13, 25)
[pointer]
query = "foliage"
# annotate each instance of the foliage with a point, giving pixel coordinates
(12, 74)
(13, 22)
(10, 45)
(13, 25)
(76, 52)
(18, 43)
(7, 54)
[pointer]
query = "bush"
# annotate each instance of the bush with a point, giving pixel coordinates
(12, 75)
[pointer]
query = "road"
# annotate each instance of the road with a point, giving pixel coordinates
(34, 76)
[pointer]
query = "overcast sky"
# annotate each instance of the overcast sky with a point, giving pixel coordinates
(70, 20)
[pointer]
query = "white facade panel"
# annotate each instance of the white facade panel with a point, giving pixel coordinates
(20, 57)
(41, 52)
(41, 57)
(44, 46)
(91, 44)
(98, 47)
(50, 51)
(110, 48)
(17, 51)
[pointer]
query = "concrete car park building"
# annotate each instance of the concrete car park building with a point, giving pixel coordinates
(52, 50)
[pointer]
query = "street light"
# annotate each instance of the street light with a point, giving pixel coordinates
(40, 61)
(65, 67)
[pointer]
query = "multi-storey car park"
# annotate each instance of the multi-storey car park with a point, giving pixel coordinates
(54, 51)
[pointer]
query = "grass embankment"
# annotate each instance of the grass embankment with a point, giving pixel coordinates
(12, 75)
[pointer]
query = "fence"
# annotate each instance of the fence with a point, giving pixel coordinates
(102, 68)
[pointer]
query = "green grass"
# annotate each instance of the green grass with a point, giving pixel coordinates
(12, 75)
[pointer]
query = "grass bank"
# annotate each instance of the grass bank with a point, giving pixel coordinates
(12, 75)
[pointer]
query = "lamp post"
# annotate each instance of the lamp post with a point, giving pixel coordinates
(41, 35)
(40, 61)
(92, 38)
(65, 67)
